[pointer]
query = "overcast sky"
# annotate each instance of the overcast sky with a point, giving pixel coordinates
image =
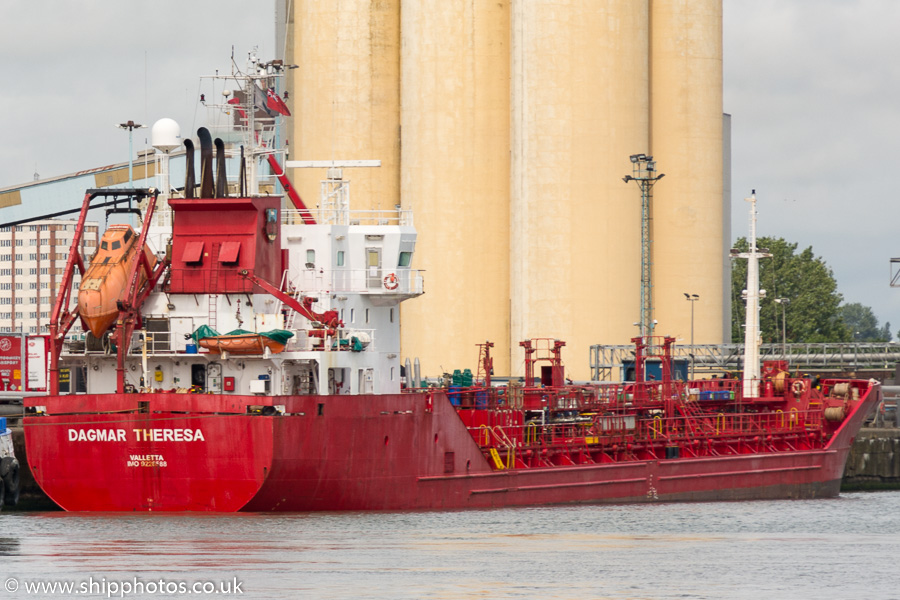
(812, 87)
(73, 69)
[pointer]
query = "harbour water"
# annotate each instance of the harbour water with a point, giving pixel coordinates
(848, 547)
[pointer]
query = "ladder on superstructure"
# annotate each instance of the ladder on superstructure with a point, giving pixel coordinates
(294, 292)
(213, 283)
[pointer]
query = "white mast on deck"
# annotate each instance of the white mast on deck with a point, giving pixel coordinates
(752, 295)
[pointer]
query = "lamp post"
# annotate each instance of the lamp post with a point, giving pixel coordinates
(783, 302)
(130, 126)
(692, 298)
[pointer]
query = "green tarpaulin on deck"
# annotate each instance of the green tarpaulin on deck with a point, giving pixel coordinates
(279, 335)
(205, 331)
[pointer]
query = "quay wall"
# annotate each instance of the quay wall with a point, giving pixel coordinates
(874, 461)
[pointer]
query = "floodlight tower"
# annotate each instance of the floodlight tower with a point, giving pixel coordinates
(644, 172)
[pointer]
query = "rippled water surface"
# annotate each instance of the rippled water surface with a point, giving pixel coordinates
(847, 547)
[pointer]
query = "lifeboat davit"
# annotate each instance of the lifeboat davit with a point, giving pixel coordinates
(103, 285)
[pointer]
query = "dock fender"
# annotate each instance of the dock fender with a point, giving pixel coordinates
(11, 484)
(6, 464)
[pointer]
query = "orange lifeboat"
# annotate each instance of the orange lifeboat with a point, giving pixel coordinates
(248, 343)
(103, 285)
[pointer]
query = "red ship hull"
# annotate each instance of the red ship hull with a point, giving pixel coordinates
(181, 452)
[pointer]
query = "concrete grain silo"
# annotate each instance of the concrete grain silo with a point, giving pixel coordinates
(345, 95)
(579, 109)
(507, 127)
(686, 130)
(455, 176)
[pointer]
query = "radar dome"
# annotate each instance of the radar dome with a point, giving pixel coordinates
(165, 135)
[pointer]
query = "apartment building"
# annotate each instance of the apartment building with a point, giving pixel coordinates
(32, 260)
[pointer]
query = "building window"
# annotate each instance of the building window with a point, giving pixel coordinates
(32, 257)
(45, 256)
(32, 242)
(5, 272)
(5, 286)
(19, 315)
(20, 300)
(6, 243)
(5, 300)
(32, 315)
(18, 257)
(31, 271)
(19, 286)
(32, 228)
(32, 285)
(18, 271)
(45, 270)
(21, 242)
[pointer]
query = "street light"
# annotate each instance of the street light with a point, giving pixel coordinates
(783, 302)
(130, 126)
(692, 298)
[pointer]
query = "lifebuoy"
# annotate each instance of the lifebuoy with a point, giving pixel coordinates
(799, 387)
(391, 282)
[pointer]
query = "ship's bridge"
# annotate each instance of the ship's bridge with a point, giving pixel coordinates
(353, 252)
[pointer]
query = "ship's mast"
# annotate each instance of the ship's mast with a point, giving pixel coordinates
(257, 130)
(752, 295)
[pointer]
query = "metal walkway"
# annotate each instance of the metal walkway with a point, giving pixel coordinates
(606, 361)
